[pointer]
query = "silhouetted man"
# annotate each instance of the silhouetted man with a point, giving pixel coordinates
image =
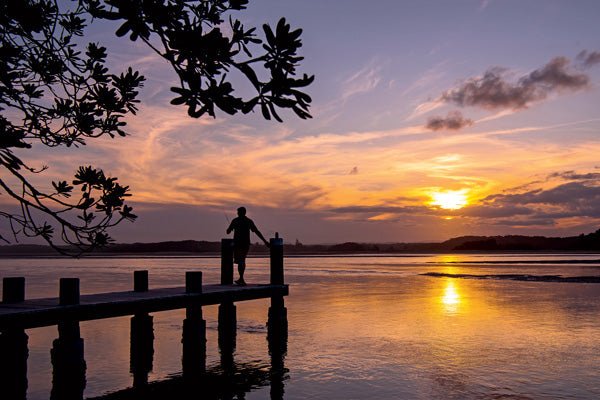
(241, 227)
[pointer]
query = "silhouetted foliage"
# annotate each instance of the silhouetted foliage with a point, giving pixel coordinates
(56, 93)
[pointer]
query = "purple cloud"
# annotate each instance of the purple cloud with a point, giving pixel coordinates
(493, 91)
(453, 121)
(588, 59)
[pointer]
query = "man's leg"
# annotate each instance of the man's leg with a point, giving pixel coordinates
(241, 269)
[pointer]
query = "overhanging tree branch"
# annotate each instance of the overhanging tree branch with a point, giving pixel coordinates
(57, 93)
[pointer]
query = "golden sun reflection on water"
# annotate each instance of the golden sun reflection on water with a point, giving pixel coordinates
(448, 258)
(451, 298)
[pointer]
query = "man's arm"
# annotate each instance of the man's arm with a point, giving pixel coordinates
(254, 229)
(230, 228)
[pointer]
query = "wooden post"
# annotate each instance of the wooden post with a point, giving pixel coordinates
(226, 261)
(13, 345)
(140, 281)
(277, 324)
(276, 256)
(13, 290)
(68, 362)
(193, 282)
(69, 291)
(141, 350)
(227, 334)
(194, 331)
(67, 354)
(13, 363)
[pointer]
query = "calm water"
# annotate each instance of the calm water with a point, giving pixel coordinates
(361, 327)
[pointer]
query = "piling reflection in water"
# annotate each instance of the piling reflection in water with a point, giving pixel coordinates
(229, 379)
(68, 363)
(227, 335)
(13, 345)
(141, 349)
(213, 384)
(13, 363)
(193, 340)
(277, 337)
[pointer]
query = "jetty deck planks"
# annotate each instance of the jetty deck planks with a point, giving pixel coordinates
(36, 313)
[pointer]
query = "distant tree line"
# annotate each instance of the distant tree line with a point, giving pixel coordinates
(583, 242)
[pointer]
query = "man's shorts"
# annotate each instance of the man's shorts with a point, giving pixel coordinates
(240, 253)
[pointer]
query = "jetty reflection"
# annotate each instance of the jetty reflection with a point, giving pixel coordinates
(213, 384)
(227, 380)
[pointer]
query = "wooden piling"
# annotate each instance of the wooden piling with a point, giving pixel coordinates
(67, 356)
(69, 291)
(193, 282)
(141, 350)
(226, 261)
(13, 363)
(227, 331)
(13, 345)
(276, 260)
(194, 331)
(193, 339)
(140, 281)
(13, 290)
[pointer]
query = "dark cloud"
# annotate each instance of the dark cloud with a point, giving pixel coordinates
(495, 211)
(522, 187)
(381, 210)
(573, 194)
(525, 222)
(573, 176)
(453, 121)
(555, 76)
(588, 59)
(493, 91)
(353, 171)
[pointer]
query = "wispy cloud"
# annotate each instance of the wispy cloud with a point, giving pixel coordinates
(424, 108)
(484, 4)
(362, 81)
(427, 79)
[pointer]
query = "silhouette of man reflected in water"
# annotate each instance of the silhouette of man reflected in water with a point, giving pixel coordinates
(241, 227)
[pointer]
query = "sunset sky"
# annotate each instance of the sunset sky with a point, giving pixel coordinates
(432, 119)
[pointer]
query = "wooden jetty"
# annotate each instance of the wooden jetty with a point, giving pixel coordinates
(66, 311)
(36, 313)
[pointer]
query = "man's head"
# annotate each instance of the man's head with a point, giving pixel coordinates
(241, 211)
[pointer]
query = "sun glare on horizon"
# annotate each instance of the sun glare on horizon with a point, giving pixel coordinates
(449, 199)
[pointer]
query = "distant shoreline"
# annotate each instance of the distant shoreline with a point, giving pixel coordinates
(334, 255)
(584, 243)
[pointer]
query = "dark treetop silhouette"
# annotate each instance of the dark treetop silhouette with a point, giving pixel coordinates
(241, 227)
(56, 93)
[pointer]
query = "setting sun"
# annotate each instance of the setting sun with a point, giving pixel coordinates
(450, 199)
